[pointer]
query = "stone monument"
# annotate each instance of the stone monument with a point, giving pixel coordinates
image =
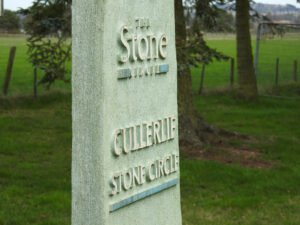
(125, 166)
(1, 7)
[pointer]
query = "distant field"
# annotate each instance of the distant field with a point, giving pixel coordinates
(287, 49)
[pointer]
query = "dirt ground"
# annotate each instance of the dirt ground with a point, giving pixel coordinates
(223, 152)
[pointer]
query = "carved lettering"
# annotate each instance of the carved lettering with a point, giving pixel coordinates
(140, 44)
(146, 134)
(139, 175)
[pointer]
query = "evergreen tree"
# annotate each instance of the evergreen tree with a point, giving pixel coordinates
(48, 22)
(9, 22)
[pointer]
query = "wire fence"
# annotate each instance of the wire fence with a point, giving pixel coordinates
(278, 64)
(277, 56)
(19, 77)
(277, 61)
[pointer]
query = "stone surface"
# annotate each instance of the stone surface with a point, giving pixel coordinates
(125, 168)
(1, 7)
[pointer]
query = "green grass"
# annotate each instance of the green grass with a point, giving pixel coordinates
(35, 151)
(35, 157)
(222, 194)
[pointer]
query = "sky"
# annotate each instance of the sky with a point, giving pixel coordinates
(15, 4)
(292, 2)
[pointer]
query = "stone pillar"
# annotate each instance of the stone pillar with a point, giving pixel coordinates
(125, 166)
(1, 7)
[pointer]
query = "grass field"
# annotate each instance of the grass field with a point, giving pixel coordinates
(238, 195)
(22, 77)
(35, 156)
(287, 50)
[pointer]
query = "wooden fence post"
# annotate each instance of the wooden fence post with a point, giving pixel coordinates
(9, 69)
(277, 72)
(231, 73)
(202, 79)
(295, 71)
(35, 93)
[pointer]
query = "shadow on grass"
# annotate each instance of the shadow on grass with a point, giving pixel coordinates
(28, 102)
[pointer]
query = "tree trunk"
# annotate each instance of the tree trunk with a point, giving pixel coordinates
(184, 74)
(192, 128)
(246, 74)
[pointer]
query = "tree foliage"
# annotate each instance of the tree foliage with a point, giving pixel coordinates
(49, 25)
(194, 48)
(9, 22)
(207, 12)
(197, 52)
